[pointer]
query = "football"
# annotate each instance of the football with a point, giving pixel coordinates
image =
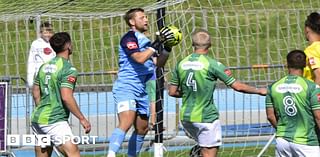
(177, 36)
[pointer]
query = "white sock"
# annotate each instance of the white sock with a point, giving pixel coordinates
(111, 154)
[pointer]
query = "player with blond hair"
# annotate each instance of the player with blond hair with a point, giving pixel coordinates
(194, 79)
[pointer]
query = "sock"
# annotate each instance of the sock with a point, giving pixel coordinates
(116, 140)
(135, 144)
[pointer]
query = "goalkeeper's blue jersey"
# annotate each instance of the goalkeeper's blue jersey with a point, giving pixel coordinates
(133, 75)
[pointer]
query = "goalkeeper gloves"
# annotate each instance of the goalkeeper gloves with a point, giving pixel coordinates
(156, 45)
(163, 36)
(166, 34)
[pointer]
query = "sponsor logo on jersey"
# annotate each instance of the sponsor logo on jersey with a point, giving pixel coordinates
(311, 61)
(72, 79)
(192, 65)
(49, 68)
(292, 88)
(47, 51)
(228, 72)
(132, 45)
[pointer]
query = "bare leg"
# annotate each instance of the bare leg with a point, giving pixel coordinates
(209, 151)
(69, 149)
(43, 152)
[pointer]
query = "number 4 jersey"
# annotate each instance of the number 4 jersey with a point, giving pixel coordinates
(294, 98)
(196, 76)
(56, 74)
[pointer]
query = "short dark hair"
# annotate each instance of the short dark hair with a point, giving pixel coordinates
(46, 26)
(313, 22)
(130, 14)
(296, 59)
(59, 41)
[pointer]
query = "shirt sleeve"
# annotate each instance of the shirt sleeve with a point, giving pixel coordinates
(174, 76)
(69, 78)
(223, 73)
(129, 44)
(269, 101)
(315, 99)
(313, 58)
(36, 80)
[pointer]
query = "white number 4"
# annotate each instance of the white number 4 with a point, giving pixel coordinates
(190, 82)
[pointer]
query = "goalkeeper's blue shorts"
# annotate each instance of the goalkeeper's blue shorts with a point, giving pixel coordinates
(126, 100)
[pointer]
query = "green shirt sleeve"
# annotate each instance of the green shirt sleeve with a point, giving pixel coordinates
(36, 80)
(175, 78)
(222, 73)
(69, 78)
(269, 101)
(315, 99)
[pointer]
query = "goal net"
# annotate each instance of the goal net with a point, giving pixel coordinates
(250, 37)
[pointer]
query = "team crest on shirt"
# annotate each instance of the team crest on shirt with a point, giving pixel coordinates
(132, 45)
(47, 50)
(312, 61)
(72, 79)
(228, 72)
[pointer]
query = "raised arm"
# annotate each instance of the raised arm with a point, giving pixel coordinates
(143, 56)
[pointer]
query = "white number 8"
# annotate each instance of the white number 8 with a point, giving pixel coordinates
(289, 106)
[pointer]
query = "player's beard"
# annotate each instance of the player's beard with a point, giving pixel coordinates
(142, 28)
(69, 51)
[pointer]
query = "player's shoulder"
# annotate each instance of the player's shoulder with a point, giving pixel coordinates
(309, 82)
(215, 63)
(129, 35)
(68, 68)
(38, 41)
(313, 49)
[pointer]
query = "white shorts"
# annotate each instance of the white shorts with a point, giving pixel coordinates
(59, 133)
(289, 149)
(206, 134)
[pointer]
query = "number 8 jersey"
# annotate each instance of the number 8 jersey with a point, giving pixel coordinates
(196, 76)
(294, 98)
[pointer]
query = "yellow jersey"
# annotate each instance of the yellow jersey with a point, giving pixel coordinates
(313, 60)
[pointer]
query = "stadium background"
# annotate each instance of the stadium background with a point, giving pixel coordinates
(252, 37)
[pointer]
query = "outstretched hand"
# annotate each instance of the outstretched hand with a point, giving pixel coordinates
(262, 91)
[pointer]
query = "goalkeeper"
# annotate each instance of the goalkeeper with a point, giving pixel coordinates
(293, 109)
(194, 79)
(136, 67)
